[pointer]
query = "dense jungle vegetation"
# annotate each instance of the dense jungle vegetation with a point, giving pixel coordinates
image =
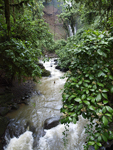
(89, 57)
(88, 54)
(23, 37)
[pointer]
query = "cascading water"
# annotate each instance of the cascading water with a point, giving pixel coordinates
(70, 31)
(27, 122)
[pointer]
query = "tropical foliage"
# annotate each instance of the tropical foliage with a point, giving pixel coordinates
(89, 87)
(24, 37)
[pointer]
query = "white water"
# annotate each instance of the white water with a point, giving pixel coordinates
(45, 106)
(70, 30)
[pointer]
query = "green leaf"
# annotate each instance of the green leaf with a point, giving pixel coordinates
(111, 137)
(101, 53)
(111, 89)
(83, 115)
(98, 98)
(65, 96)
(83, 97)
(99, 138)
(111, 77)
(104, 138)
(99, 144)
(72, 96)
(109, 115)
(109, 109)
(91, 143)
(111, 38)
(77, 99)
(73, 83)
(74, 120)
(105, 95)
(91, 107)
(105, 102)
(104, 109)
(104, 120)
(100, 84)
(86, 102)
(96, 147)
(80, 82)
(87, 81)
(87, 91)
(85, 84)
(91, 77)
(95, 87)
(105, 90)
(101, 74)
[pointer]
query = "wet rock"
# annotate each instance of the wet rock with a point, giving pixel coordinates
(61, 69)
(27, 96)
(45, 73)
(4, 111)
(6, 98)
(23, 98)
(15, 106)
(51, 122)
(56, 61)
(41, 65)
(3, 125)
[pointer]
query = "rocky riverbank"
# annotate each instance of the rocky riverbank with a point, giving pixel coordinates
(11, 97)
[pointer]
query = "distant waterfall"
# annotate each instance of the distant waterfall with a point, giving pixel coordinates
(70, 30)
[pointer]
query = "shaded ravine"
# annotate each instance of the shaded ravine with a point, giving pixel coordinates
(26, 132)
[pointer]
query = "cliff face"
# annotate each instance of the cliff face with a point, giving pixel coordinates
(50, 16)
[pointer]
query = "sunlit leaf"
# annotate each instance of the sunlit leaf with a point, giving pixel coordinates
(77, 99)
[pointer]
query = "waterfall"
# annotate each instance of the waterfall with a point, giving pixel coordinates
(70, 30)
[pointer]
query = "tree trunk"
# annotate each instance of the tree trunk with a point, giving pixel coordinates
(13, 12)
(7, 16)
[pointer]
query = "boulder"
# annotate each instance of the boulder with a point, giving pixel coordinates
(51, 122)
(3, 125)
(4, 111)
(6, 98)
(45, 73)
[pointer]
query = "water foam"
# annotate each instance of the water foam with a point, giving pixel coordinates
(24, 142)
(76, 137)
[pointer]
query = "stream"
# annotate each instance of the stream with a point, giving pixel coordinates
(26, 129)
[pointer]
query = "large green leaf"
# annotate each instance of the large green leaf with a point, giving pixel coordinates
(71, 97)
(101, 53)
(74, 120)
(105, 90)
(111, 89)
(111, 137)
(91, 142)
(101, 73)
(109, 109)
(104, 138)
(83, 97)
(77, 99)
(87, 102)
(104, 120)
(98, 98)
(105, 95)
(91, 107)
